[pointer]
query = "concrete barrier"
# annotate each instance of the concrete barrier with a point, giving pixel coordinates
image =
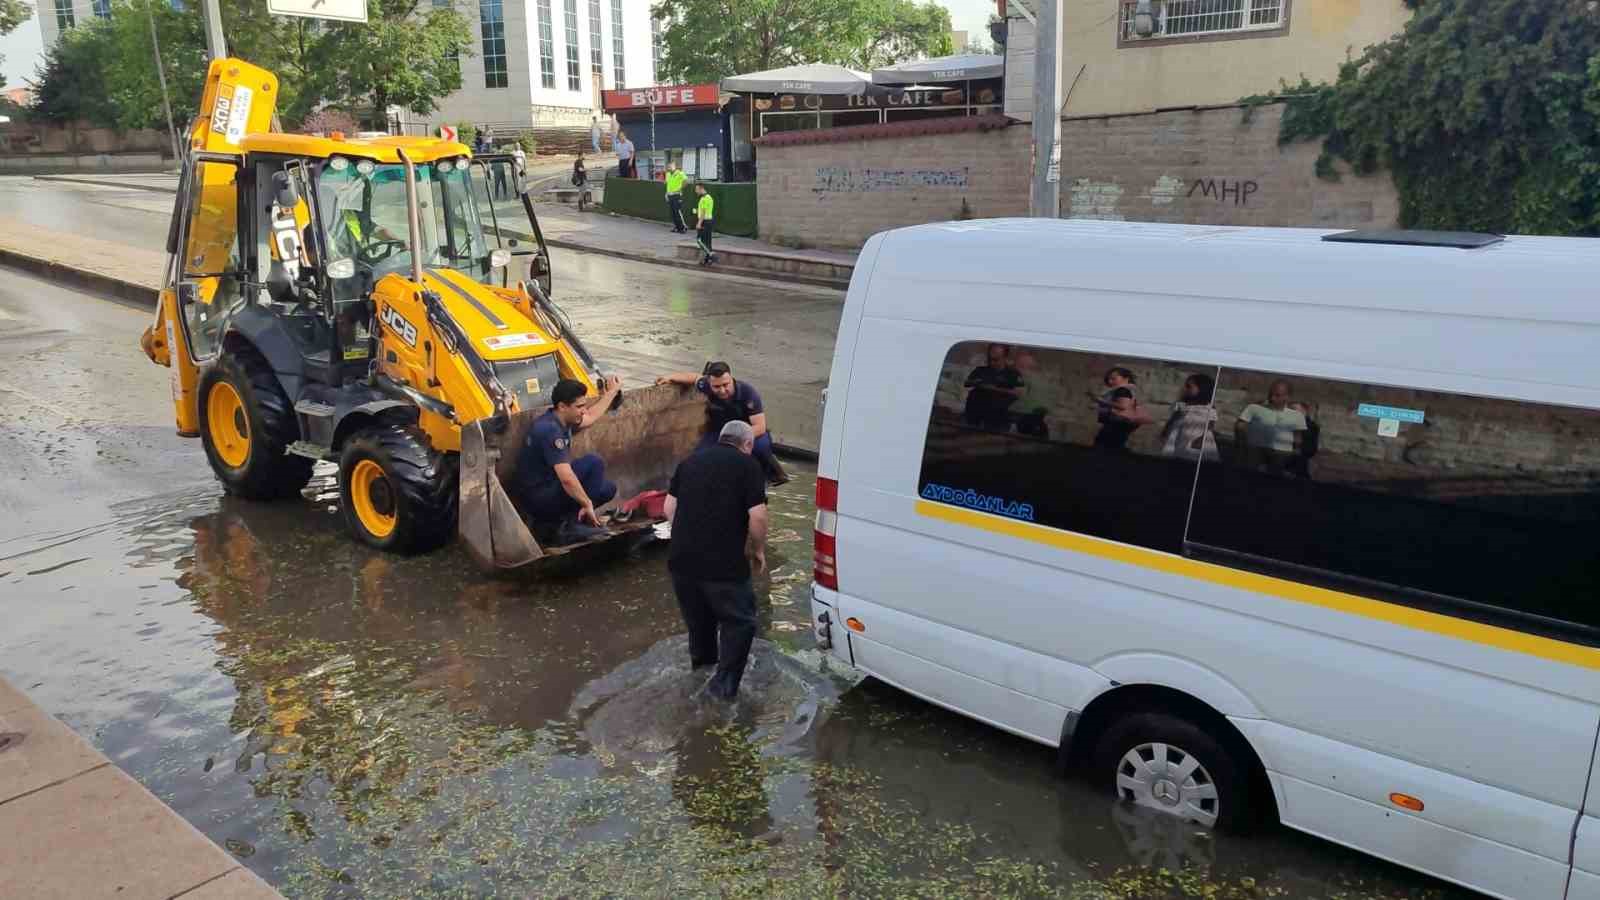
(58, 163)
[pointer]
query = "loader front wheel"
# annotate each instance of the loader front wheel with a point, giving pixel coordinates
(397, 494)
(245, 424)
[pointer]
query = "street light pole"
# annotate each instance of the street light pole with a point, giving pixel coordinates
(161, 76)
(1044, 200)
(216, 45)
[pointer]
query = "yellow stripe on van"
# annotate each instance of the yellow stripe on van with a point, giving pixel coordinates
(1283, 589)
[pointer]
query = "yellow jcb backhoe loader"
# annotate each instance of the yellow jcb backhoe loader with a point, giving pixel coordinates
(332, 299)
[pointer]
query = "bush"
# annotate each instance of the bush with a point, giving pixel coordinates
(529, 145)
(466, 133)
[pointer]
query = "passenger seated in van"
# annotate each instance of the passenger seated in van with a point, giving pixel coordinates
(1189, 430)
(1118, 410)
(991, 389)
(1271, 435)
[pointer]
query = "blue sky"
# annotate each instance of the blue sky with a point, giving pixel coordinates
(21, 49)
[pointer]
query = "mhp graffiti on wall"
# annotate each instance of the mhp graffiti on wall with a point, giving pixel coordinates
(843, 180)
(1223, 190)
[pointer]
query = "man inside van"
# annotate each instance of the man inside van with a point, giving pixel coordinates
(559, 494)
(727, 401)
(991, 389)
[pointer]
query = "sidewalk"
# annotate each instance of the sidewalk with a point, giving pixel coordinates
(603, 233)
(77, 827)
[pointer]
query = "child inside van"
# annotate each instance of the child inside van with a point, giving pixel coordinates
(1189, 433)
(1118, 410)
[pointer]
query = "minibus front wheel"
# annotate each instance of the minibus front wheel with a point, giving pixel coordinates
(1169, 764)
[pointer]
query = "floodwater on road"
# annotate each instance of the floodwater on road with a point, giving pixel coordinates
(352, 724)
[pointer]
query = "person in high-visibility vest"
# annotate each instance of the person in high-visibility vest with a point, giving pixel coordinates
(675, 180)
(704, 211)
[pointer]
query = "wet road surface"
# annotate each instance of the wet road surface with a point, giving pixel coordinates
(350, 724)
(640, 319)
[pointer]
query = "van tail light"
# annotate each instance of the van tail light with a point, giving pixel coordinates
(824, 556)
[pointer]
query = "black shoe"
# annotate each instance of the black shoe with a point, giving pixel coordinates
(775, 473)
(574, 532)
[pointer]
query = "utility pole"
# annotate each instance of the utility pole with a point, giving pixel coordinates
(1044, 200)
(216, 45)
(161, 76)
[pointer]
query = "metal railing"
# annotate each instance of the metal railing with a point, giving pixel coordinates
(1182, 18)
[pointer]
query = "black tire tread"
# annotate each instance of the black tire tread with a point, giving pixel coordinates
(426, 482)
(269, 473)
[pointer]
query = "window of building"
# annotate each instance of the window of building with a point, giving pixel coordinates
(493, 25)
(102, 8)
(597, 53)
(1184, 18)
(1479, 508)
(64, 15)
(658, 46)
(547, 46)
(619, 69)
(574, 68)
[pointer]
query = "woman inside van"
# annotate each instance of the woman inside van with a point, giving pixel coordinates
(1271, 435)
(1189, 433)
(1118, 410)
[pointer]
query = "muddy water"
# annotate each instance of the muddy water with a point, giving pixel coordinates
(350, 724)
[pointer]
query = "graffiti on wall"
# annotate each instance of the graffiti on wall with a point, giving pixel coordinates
(1095, 199)
(845, 180)
(1222, 190)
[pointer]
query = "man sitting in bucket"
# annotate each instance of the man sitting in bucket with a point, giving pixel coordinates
(727, 401)
(560, 494)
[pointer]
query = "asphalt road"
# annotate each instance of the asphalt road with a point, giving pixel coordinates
(640, 319)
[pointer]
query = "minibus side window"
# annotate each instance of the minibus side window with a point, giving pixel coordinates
(1478, 507)
(1086, 442)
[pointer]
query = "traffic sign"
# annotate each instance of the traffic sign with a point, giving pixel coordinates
(449, 133)
(340, 10)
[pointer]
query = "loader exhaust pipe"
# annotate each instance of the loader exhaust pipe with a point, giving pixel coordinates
(414, 217)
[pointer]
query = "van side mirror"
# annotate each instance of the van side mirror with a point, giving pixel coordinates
(283, 189)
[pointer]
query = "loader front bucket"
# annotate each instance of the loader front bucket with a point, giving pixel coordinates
(641, 443)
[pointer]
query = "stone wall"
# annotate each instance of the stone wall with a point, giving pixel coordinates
(1210, 167)
(838, 194)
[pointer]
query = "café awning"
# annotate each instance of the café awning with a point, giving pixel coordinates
(961, 67)
(814, 78)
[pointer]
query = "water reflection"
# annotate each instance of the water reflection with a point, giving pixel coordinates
(351, 724)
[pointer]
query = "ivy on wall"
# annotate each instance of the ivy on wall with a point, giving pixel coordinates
(1487, 113)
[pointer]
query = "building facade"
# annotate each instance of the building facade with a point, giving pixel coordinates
(56, 16)
(544, 63)
(1200, 53)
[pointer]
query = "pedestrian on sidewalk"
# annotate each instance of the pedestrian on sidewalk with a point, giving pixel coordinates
(717, 505)
(594, 134)
(625, 160)
(704, 210)
(675, 180)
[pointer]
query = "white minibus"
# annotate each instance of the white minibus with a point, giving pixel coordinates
(1255, 525)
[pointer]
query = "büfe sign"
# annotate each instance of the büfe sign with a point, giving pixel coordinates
(681, 96)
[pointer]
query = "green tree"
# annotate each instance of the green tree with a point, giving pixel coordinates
(400, 57)
(103, 71)
(1487, 112)
(707, 40)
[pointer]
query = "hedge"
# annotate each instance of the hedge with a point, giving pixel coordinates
(735, 203)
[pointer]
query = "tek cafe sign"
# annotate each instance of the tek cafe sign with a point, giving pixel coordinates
(917, 99)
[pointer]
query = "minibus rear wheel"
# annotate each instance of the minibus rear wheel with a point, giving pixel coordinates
(1169, 764)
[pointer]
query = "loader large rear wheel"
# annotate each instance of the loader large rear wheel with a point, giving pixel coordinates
(245, 424)
(397, 494)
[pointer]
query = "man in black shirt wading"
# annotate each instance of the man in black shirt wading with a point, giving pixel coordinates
(718, 508)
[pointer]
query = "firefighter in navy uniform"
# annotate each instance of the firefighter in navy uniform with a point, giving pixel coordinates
(728, 400)
(560, 494)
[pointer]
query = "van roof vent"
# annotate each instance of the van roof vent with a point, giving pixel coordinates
(1461, 240)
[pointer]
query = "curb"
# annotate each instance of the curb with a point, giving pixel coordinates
(763, 274)
(75, 179)
(96, 282)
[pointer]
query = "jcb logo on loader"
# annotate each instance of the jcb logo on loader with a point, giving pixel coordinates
(407, 331)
